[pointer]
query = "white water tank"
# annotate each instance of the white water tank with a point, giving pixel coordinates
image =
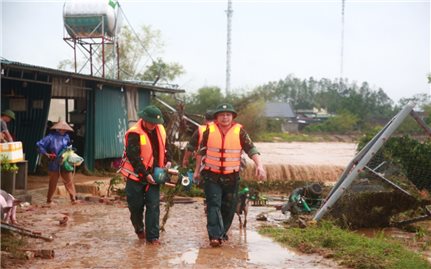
(83, 18)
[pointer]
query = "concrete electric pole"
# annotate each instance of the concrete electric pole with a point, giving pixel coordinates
(229, 12)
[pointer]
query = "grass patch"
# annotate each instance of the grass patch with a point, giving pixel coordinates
(273, 186)
(349, 249)
(286, 137)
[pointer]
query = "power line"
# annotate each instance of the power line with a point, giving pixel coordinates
(342, 41)
(136, 34)
(141, 43)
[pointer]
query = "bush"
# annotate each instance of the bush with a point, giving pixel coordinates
(7, 166)
(412, 156)
(342, 123)
(251, 117)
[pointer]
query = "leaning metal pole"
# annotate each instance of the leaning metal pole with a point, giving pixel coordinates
(358, 157)
(395, 123)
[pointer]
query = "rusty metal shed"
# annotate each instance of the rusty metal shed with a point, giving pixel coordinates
(104, 108)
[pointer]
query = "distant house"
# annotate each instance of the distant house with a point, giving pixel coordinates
(314, 113)
(283, 112)
(100, 110)
(306, 117)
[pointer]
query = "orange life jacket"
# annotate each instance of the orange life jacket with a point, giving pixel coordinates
(223, 152)
(201, 130)
(146, 149)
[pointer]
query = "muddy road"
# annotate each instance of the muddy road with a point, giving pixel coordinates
(99, 235)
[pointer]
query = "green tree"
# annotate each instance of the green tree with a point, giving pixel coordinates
(366, 104)
(252, 117)
(206, 98)
(427, 111)
(160, 70)
(421, 100)
(135, 60)
(134, 50)
(344, 122)
(66, 65)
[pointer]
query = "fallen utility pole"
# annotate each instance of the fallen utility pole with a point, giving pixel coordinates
(361, 160)
(24, 231)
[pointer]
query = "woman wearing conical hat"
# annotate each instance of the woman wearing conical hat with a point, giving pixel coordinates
(51, 146)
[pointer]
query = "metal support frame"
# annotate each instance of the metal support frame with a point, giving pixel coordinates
(89, 45)
(358, 164)
(387, 181)
(413, 220)
(421, 122)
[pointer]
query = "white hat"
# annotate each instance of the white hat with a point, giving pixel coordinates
(62, 125)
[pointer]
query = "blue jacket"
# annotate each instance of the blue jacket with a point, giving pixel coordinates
(53, 143)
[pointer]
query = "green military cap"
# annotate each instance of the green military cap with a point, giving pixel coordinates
(225, 107)
(151, 114)
(9, 113)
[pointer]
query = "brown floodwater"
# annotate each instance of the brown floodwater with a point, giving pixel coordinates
(303, 161)
(307, 153)
(101, 236)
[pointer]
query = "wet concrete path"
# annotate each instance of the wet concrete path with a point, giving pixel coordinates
(99, 235)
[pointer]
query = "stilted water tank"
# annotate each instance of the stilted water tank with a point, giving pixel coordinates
(93, 25)
(91, 18)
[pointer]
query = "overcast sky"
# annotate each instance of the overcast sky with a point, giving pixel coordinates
(387, 43)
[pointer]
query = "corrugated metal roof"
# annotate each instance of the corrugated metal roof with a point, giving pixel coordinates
(6, 64)
(279, 110)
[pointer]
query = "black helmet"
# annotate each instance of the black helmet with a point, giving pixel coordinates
(315, 189)
(209, 115)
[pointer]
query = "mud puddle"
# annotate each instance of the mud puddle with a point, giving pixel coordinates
(101, 236)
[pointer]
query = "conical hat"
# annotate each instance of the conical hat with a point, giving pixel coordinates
(62, 125)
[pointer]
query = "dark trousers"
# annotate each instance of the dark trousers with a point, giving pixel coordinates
(221, 197)
(137, 200)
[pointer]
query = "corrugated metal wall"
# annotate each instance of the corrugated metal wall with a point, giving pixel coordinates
(30, 124)
(110, 122)
(89, 133)
(106, 117)
(144, 98)
(68, 87)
